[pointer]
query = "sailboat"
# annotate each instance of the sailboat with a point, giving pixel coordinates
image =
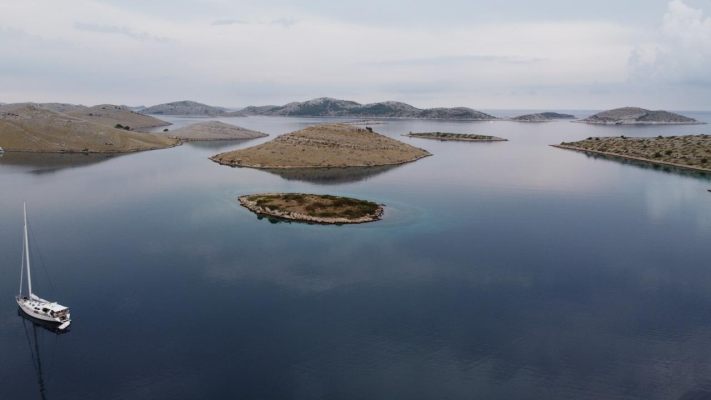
(33, 305)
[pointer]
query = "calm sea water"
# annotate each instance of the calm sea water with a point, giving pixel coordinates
(501, 271)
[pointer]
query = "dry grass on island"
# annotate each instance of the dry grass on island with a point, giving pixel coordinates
(313, 208)
(214, 130)
(457, 137)
(689, 152)
(324, 146)
(40, 129)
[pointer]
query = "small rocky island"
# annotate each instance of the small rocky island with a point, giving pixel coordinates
(313, 208)
(214, 130)
(542, 117)
(688, 152)
(638, 116)
(324, 146)
(459, 137)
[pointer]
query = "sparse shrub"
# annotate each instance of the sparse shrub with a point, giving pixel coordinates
(704, 160)
(657, 155)
(165, 130)
(118, 126)
(668, 152)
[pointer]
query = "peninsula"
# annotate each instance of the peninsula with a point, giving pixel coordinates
(638, 116)
(329, 107)
(28, 127)
(214, 130)
(324, 146)
(542, 117)
(689, 152)
(458, 137)
(313, 208)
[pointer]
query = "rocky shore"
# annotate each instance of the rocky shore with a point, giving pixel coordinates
(692, 152)
(313, 208)
(459, 137)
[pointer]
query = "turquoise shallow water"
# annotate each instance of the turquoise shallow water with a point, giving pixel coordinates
(501, 270)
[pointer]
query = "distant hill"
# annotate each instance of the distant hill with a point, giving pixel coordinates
(324, 146)
(34, 128)
(638, 116)
(542, 117)
(329, 107)
(186, 107)
(214, 130)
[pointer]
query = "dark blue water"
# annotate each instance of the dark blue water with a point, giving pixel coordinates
(501, 271)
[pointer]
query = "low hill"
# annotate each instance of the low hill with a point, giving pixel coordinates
(214, 130)
(323, 146)
(186, 107)
(329, 107)
(542, 117)
(33, 128)
(638, 116)
(116, 116)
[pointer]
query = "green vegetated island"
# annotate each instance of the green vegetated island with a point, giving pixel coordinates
(313, 208)
(459, 137)
(324, 146)
(689, 152)
(67, 128)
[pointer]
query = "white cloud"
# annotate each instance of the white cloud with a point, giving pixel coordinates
(681, 53)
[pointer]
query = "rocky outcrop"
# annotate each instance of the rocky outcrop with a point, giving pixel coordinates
(329, 107)
(324, 146)
(638, 116)
(214, 130)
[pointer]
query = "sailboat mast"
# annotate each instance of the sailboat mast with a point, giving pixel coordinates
(27, 254)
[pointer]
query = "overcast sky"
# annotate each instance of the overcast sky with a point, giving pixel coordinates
(547, 54)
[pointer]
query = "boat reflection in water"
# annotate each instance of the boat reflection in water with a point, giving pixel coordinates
(37, 331)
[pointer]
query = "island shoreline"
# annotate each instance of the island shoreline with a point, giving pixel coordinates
(633, 158)
(303, 218)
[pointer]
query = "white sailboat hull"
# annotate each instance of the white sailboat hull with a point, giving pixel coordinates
(35, 309)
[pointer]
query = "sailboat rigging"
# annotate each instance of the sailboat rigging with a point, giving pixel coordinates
(33, 305)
